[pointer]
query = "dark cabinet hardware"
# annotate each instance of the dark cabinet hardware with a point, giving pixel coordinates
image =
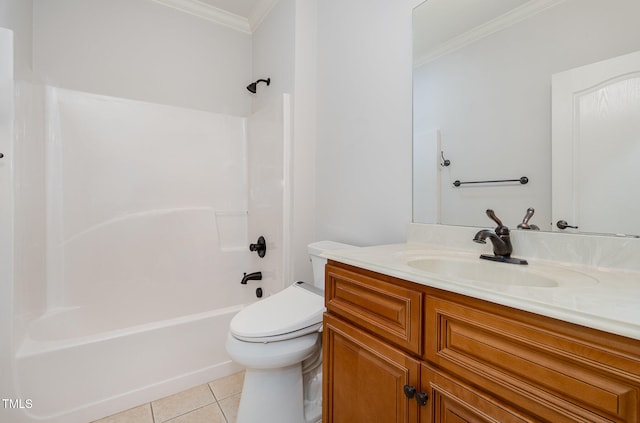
(410, 391)
(422, 398)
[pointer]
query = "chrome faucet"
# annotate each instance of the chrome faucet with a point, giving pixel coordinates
(501, 241)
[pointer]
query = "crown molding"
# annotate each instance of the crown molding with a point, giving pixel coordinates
(506, 20)
(210, 13)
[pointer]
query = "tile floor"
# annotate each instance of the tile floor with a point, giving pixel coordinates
(214, 402)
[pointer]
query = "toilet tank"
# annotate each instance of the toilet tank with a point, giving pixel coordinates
(317, 262)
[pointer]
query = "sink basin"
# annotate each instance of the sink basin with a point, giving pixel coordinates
(493, 274)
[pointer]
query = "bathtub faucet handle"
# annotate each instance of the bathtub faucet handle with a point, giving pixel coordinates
(260, 247)
(255, 276)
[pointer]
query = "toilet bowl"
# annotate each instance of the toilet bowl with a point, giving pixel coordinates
(278, 341)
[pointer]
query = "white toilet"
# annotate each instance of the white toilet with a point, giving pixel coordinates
(278, 341)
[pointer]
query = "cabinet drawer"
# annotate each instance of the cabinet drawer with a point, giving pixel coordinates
(545, 367)
(381, 304)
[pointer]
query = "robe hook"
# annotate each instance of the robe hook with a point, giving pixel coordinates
(444, 162)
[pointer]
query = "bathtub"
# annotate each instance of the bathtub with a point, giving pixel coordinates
(84, 363)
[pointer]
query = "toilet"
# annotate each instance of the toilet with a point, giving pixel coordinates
(278, 341)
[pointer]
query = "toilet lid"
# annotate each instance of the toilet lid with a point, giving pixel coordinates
(290, 310)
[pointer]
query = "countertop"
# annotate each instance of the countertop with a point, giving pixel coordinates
(607, 299)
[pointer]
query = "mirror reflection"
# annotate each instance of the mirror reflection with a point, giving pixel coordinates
(596, 146)
(483, 100)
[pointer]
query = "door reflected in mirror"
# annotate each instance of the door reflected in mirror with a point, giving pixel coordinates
(596, 146)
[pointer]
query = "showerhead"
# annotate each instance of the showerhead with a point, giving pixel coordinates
(254, 85)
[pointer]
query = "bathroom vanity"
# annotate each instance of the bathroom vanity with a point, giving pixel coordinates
(406, 345)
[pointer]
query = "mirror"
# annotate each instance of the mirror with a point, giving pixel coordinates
(482, 99)
(596, 146)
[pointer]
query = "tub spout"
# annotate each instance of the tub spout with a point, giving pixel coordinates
(255, 276)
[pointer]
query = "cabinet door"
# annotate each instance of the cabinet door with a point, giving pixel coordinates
(365, 378)
(452, 402)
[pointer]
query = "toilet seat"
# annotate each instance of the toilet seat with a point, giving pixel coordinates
(272, 355)
(292, 312)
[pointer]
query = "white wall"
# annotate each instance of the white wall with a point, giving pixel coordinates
(272, 57)
(6, 217)
(352, 144)
(273, 54)
(492, 104)
(304, 135)
(142, 50)
(16, 15)
(363, 174)
(284, 48)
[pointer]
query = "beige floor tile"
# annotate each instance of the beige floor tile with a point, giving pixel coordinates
(230, 407)
(181, 403)
(141, 414)
(227, 386)
(208, 414)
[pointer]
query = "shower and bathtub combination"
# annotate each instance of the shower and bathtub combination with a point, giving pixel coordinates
(131, 224)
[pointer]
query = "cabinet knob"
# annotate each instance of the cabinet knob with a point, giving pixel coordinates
(409, 391)
(422, 398)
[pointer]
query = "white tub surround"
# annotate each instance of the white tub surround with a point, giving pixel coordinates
(602, 273)
(135, 221)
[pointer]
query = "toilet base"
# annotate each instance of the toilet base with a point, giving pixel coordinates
(273, 395)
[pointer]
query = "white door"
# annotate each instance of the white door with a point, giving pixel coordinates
(596, 146)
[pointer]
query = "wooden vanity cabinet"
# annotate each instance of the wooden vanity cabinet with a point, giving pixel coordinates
(369, 316)
(396, 351)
